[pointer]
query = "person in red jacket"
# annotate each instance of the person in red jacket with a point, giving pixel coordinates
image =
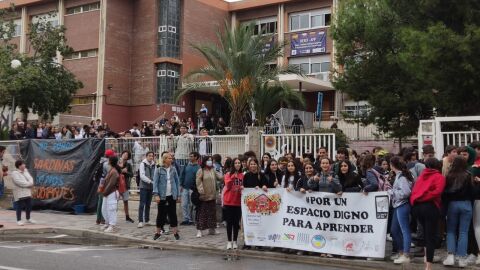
(426, 203)
(232, 197)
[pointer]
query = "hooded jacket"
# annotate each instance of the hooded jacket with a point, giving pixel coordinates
(428, 188)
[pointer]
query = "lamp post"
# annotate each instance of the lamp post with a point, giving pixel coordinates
(14, 64)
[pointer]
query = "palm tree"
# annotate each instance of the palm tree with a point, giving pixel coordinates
(269, 98)
(241, 64)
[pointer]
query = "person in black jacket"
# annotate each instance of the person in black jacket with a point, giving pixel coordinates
(349, 179)
(308, 182)
(127, 171)
(291, 177)
(254, 178)
(273, 173)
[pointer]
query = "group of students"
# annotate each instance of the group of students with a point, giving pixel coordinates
(426, 195)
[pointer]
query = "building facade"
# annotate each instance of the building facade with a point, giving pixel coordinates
(132, 55)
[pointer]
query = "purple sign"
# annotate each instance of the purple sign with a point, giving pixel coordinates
(309, 43)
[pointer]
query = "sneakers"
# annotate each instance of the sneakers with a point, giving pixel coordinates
(463, 262)
(229, 245)
(471, 259)
(31, 221)
(110, 229)
(149, 223)
(199, 233)
(212, 231)
(394, 256)
(402, 259)
(128, 219)
(104, 227)
(140, 225)
(450, 260)
(389, 238)
(177, 236)
(157, 235)
(234, 245)
(20, 223)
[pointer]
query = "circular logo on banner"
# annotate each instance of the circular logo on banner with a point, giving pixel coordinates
(270, 143)
(319, 242)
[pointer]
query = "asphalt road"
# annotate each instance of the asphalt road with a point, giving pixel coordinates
(31, 256)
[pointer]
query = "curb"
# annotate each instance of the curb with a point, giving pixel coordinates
(80, 236)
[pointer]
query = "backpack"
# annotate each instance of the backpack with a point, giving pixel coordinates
(122, 184)
(383, 184)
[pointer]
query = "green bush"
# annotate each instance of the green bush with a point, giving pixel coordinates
(341, 139)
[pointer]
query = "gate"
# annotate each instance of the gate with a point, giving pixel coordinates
(430, 132)
(280, 144)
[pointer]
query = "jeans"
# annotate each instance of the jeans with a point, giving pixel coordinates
(459, 216)
(187, 205)
(400, 229)
(428, 216)
(99, 208)
(109, 208)
(144, 207)
(24, 203)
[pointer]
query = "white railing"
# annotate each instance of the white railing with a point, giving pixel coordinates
(460, 138)
(280, 144)
(354, 131)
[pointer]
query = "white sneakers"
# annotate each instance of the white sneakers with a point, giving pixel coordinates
(463, 262)
(234, 245)
(149, 223)
(229, 245)
(140, 225)
(402, 259)
(20, 223)
(450, 260)
(31, 221)
(110, 229)
(199, 233)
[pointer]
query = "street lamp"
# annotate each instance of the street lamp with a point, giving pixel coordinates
(14, 64)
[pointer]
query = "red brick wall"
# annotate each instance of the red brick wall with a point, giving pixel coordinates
(85, 70)
(86, 36)
(247, 15)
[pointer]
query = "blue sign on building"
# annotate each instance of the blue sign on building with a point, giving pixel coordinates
(309, 43)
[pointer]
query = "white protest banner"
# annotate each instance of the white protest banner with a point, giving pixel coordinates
(351, 224)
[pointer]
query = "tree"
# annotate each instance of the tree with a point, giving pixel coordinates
(268, 99)
(408, 59)
(40, 85)
(366, 35)
(240, 63)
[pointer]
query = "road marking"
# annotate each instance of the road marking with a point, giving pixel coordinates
(2, 267)
(22, 246)
(58, 236)
(76, 249)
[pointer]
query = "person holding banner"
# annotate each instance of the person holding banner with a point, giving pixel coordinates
(232, 194)
(349, 179)
(291, 179)
(206, 182)
(254, 178)
(273, 173)
(426, 201)
(399, 195)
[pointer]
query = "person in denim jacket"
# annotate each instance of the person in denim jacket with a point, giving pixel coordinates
(166, 190)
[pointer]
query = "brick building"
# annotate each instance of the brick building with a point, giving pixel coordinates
(131, 55)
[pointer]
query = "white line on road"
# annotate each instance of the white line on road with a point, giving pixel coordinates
(76, 249)
(2, 267)
(58, 236)
(22, 246)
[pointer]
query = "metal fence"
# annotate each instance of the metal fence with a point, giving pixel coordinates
(280, 144)
(285, 117)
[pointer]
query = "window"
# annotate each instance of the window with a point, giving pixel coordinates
(17, 28)
(168, 29)
(83, 8)
(266, 26)
(81, 54)
(51, 17)
(83, 100)
(310, 20)
(317, 65)
(167, 81)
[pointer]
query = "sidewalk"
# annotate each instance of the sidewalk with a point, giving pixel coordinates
(129, 234)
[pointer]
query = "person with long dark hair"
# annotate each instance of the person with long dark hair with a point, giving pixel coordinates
(458, 195)
(127, 171)
(273, 173)
(265, 161)
(206, 182)
(308, 183)
(371, 180)
(400, 195)
(232, 195)
(426, 201)
(348, 178)
(111, 195)
(292, 176)
(254, 178)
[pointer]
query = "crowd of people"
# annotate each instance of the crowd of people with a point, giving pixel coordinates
(432, 201)
(21, 129)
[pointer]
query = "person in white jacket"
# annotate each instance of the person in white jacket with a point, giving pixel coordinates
(22, 191)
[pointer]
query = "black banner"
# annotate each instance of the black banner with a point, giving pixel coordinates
(63, 172)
